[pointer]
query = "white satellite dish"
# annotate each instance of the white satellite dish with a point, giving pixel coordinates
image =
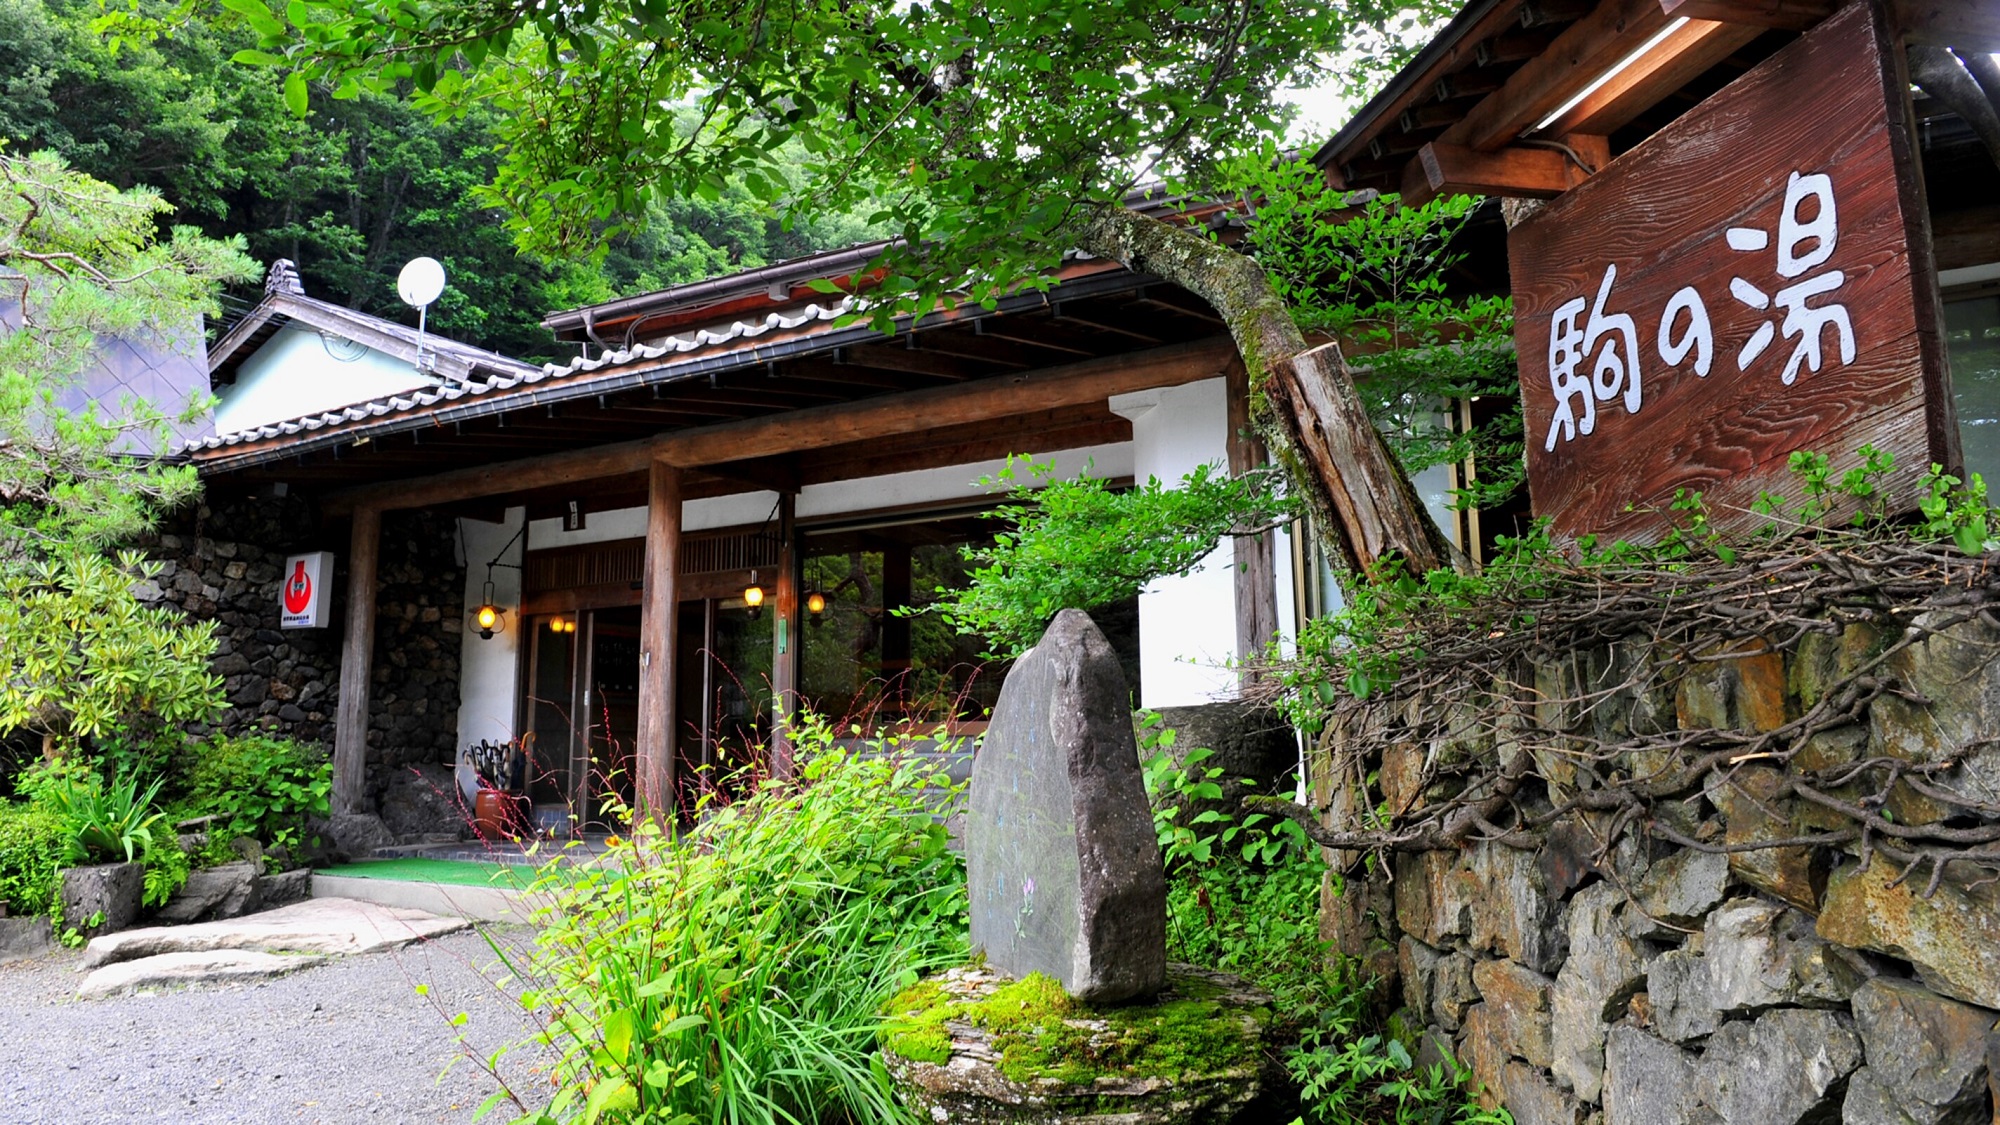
(420, 282)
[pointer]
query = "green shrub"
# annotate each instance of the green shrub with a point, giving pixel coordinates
(260, 787)
(103, 822)
(32, 841)
(736, 973)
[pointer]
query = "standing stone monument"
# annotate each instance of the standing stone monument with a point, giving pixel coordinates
(1061, 857)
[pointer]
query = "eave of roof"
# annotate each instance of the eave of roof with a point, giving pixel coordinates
(1444, 49)
(678, 359)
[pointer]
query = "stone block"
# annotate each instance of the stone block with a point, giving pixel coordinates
(1482, 1051)
(1677, 989)
(1745, 694)
(1683, 887)
(1926, 1052)
(1648, 1081)
(1604, 970)
(1511, 913)
(284, 888)
(1745, 798)
(1416, 965)
(1452, 990)
(1787, 1067)
(1533, 1100)
(226, 891)
(1061, 855)
(1761, 955)
(1948, 937)
(22, 938)
(1433, 897)
(1517, 1001)
(357, 835)
(110, 892)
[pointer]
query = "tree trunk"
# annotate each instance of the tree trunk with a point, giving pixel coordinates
(1304, 402)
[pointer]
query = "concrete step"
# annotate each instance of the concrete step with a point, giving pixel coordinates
(324, 925)
(480, 904)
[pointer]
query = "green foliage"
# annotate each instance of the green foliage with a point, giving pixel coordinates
(1176, 787)
(32, 841)
(103, 822)
(257, 786)
(1374, 275)
(736, 973)
(167, 869)
(1253, 909)
(1960, 515)
(82, 657)
(1080, 544)
(979, 135)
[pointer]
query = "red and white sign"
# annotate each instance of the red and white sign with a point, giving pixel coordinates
(306, 592)
(1753, 279)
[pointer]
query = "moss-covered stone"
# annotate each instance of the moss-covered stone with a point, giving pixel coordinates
(974, 1046)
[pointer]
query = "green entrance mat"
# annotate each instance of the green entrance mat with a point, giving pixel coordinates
(452, 872)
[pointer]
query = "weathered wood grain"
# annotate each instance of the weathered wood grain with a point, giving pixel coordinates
(1660, 214)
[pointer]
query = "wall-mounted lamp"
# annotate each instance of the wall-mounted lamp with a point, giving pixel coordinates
(488, 620)
(753, 596)
(816, 607)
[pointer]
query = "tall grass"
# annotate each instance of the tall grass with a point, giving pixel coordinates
(735, 974)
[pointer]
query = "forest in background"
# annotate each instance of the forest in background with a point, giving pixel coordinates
(352, 191)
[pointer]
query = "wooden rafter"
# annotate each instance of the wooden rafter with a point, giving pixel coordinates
(1584, 51)
(1791, 15)
(1680, 58)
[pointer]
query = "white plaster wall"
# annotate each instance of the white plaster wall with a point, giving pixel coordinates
(1187, 624)
(294, 374)
(489, 678)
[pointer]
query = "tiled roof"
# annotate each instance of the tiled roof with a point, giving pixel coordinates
(707, 339)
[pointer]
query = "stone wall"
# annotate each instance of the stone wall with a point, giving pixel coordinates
(1651, 983)
(223, 560)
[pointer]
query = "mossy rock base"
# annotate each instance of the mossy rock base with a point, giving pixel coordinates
(973, 1046)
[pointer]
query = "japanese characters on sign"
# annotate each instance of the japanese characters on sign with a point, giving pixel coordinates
(1740, 285)
(1594, 353)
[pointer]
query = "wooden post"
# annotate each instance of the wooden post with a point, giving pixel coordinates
(350, 730)
(785, 639)
(1256, 555)
(659, 613)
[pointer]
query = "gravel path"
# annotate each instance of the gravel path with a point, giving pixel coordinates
(346, 1041)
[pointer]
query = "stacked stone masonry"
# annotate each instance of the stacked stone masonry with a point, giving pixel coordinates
(223, 560)
(1660, 985)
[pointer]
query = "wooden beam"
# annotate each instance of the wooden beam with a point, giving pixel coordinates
(785, 638)
(1520, 172)
(1579, 56)
(357, 651)
(659, 614)
(818, 427)
(1790, 15)
(1686, 54)
(1972, 25)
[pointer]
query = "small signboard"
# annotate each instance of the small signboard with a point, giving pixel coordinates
(306, 593)
(1752, 280)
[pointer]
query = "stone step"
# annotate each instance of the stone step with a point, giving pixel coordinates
(336, 926)
(169, 969)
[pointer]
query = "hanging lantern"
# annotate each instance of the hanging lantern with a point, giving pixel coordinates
(816, 607)
(488, 620)
(753, 596)
(562, 624)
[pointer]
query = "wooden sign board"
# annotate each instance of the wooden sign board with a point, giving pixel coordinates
(1753, 279)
